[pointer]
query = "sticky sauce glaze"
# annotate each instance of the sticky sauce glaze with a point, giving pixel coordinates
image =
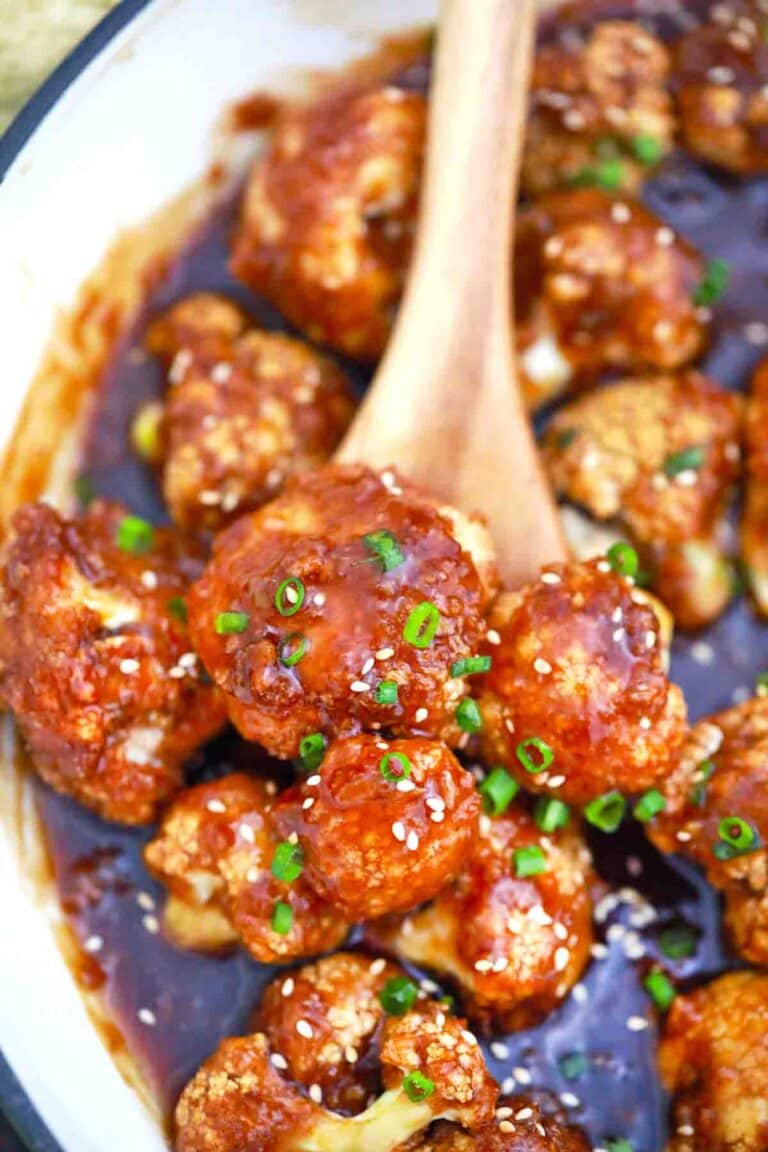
(597, 1053)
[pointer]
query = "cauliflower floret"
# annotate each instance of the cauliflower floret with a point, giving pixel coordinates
(328, 215)
(660, 455)
(245, 410)
(721, 777)
(95, 661)
(714, 1060)
(383, 826)
(601, 283)
(219, 853)
(350, 601)
(603, 103)
(520, 1125)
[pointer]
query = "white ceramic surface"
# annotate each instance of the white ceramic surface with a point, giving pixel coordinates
(131, 132)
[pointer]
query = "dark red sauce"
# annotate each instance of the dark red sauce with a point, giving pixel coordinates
(173, 1007)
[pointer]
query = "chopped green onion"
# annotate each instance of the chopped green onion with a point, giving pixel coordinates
(551, 813)
(146, 431)
(647, 149)
(573, 1065)
(288, 862)
(177, 607)
(649, 805)
(529, 861)
(607, 174)
(282, 918)
(704, 772)
(468, 716)
(620, 1145)
(385, 548)
(398, 995)
(400, 770)
(386, 692)
(689, 460)
(312, 751)
(422, 624)
(678, 941)
(84, 489)
(135, 535)
(292, 649)
(661, 989)
(737, 838)
(713, 283)
(418, 1087)
(498, 790)
(606, 812)
(761, 684)
(623, 559)
(471, 665)
(545, 752)
(289, 596)
(228, 623)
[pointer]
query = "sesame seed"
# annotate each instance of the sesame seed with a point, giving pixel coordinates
(436, 803)
(290, 593)
(499, 1050)
(493, 637)
(618, 635)
(620, 213)
(146, 901)
(684, 837)
(319, 599)
(569, 1100)
(644, 722)
(685, 1130)
(555, 781)
(756, 333)
(279, 1062)
(247, 833)
(209, 497)
(598, 951)
(147, 1016)
(128, 666)
(421, 715)
(398, 831)
(483, 965)
(603, 566)
(220, 373)
(560, 931)
(616, 615)
(405, 786)
(412, 843)
(151, 924)
(580, 993)
(304, 1028)
(665, 237)
(721, 75)
(316, 1093)
(367, 666)
(93, 944)
(504, 1112)
(312, 781)
(307, 804)
(702, 652)
(637, 1024)
(550, 578)
(385, 653)
(688, 478)
(562, 956)
(359, 686)
(524, 1114)
(377, 967)
(149, 579)
(437, 817)
(288, 986)
(187, 660)
(650, 639)
(506, 1126)
(350, 1054)
(542, 666)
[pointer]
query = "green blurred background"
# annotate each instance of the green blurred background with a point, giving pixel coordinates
(34, 36)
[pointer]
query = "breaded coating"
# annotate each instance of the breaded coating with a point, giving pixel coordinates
(722, 775)
(214, 852)
(577, 701)
(515, 944)
(383, 826)
(348, 579)
(243, 412)
(520, 1125)
(328, 215)
(721, 76)
(714, 1060)
(754, 523)
(660, 455)
(338, 997)
(433, 1068)
(601, 283)
(95, 661)
(604, 100)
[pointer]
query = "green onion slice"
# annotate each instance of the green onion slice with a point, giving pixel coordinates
(544, 755)
(713, 284)
(649, 805)
(228, 623)
(704, 773)
(312, 751)
(761, 684)
(688, 460)
(135, 535)
(395, 766)
(573, 1065)
(551, 813)
(177, 607)
(85, 490)
(386, 692)
(422, 624)
(292, 649)
(678, 941)
(471, 666)
(468, 716)
(288, 862)
(398, 995)
(737, 838)
(289, 596)
(498, 790)
(606, 812)
(660, 988)
(647, 149)
(623, 559)
(529, 861)
(282, 918)
(385, 549)
(418, 1087)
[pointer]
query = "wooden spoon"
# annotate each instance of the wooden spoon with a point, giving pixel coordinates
(444, 406)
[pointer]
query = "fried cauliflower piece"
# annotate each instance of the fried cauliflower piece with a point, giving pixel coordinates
(754, 523)
(383, 826)
(348, 579)
(95, 662)
(722, 775)
(721, 76)
(605, 99)
(660, 455)
(328, 215)
(714, 1061)
(432, 1068)
(577, 701)
(601, 283)
(215, 851)
(514, 929)
(245, 409)
(339, 998)
(520, 1125)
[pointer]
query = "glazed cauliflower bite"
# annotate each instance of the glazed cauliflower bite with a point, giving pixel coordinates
(661, 456)
(754, 523)
(323, 1024)
(245, 409)
(348, 580)
(215, 851)
(714, 1061)
(515, 943)
(520, 1125)
(95, 661)
(601, 101)
(383, 826)
(432, 1069)
(721, 77)
(721, 776)
(328, 215)
(600, 283)
(577, 701)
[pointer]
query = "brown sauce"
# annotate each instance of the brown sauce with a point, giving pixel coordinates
(173, 1007)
